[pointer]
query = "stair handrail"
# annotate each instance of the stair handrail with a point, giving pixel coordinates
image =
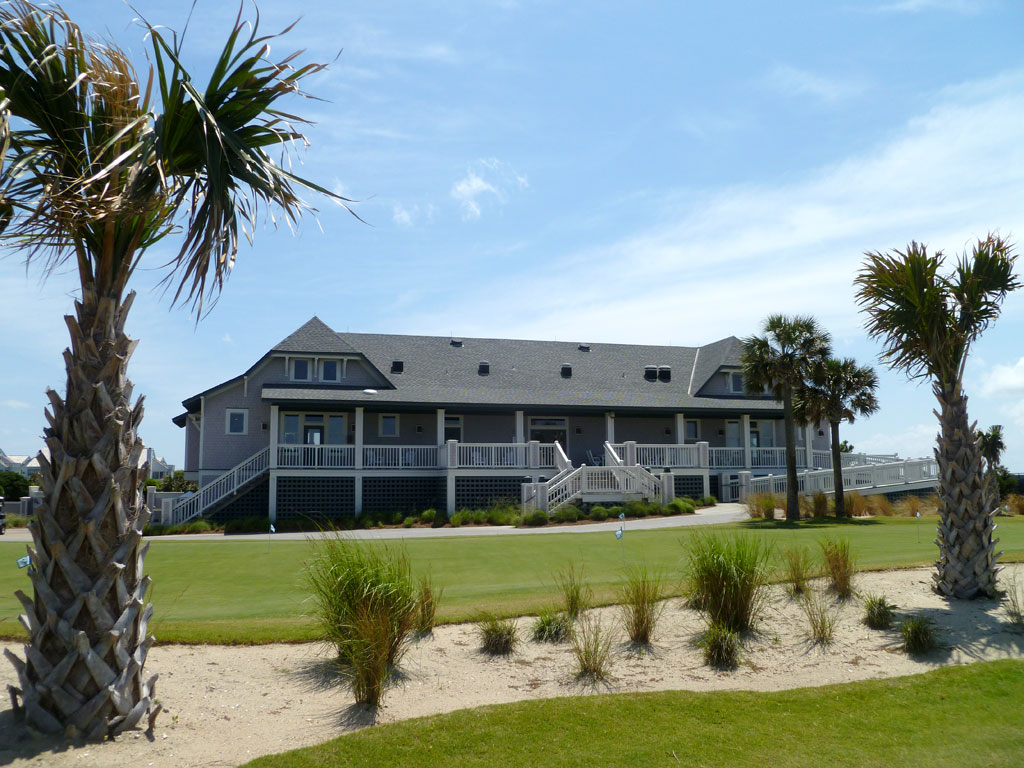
(248, 469)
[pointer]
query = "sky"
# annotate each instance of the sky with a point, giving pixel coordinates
(601, 172)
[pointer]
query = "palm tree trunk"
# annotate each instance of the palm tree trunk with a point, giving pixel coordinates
(837, 471)
(87, 622)
(967, 558)
(792, 489)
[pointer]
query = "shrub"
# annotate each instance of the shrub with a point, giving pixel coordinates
(909, 506)
(727, 578)
(427, 516)
(1014, 504)
(248, 525)
(598, 513)
(762, 505)
(567, 514)
(592, 647)
(707, 501)
(721, 646)
(427, 599)
(821, 617)
(636, 509)
(1014, 599)
(819, 504)
(502, 513)
(680, 506)
(878, 612)
(615, 511)
(198, 526)
(799, 571)
(535, 518)
(880, 506)
(855, 504)
(839, 566)
(457, 519)
(365, 603)
(641, 605)
(18, 521)
(409, 522)
(918, 634)
(576, 593)
(552, 626)
(498, 637)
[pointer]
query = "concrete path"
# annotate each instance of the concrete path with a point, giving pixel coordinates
(723, 513)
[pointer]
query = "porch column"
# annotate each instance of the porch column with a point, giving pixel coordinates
(202, 433)
(440, 426)
(359, 437)
(680, 429)
(520, 430)
(808, 445)
(609, 426)
(275, 423)
(746, 441)
(358, 495)
(272, 497)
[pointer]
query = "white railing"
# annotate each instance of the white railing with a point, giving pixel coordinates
(492, 455)
(768, 457)
(192, 506)
(654, 455)
(561, 460)
(612, 455)
(399, 457)
(617, 480)
(854, 478)
(547, 455)
(315, 456)
(823, 459)
(726, 458)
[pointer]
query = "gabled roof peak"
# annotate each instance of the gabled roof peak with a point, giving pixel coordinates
(315, 336)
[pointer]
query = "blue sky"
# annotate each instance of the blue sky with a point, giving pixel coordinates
(603, 172)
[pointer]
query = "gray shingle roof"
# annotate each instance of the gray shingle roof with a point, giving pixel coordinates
(314, 337)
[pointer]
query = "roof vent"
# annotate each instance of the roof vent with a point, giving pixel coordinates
(484, 369)
(583, 347)
(566, 371)
(456, 342)
(651, 372)
(397, 366)
(664, 373)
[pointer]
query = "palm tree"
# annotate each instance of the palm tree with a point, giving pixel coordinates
(927, 322)
(991, 445)
(91, 175)
(837, 391)
(780, 360)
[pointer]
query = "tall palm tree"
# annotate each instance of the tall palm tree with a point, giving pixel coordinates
(92, 175)
(780, 360)
(837, 391)
(927, 322)
(991, 445)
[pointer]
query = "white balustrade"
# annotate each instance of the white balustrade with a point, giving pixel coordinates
(854, 477)
(726, 458)
(674, 455)
(547, 455)
(315, 456)
(399, 457)
(188, 507)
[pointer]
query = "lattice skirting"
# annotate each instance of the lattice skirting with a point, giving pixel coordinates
(403, 494)
(479, 492)
(692, 486)
(252, 502)
(315, 497)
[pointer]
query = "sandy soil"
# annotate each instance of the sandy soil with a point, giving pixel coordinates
(226, 705)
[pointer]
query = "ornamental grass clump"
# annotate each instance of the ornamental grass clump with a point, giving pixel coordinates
(552, 626)
(427, 599)
(721, 646)
(918, 634)
(365, 603)
(640, 604)
(821, 617)
(576, 593)
(498, 637)
(727, 578)
(878, 612)
(839, 566)
(798, 570)
(592, 647)
(1014, 600)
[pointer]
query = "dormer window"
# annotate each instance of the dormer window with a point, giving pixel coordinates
(397, 366)
(736, 384)
(300, 370)
(329, 370)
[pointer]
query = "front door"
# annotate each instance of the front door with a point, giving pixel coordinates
(313, 434)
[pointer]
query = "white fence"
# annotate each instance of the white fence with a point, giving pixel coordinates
(316, 456)
(577, 483)
(493, 455)
(400, 456)
(890, 475)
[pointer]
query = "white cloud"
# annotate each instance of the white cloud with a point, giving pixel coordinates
(18, 404)
(797, 82)
(916, 441)
(1004, 380)
(408, 217)
(401, 216)
(226, 338)
(490, 179)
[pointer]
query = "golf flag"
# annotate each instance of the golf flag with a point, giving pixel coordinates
(272, 528)
(918, 515)
(622, 515)
(618, 534)
(24, 562)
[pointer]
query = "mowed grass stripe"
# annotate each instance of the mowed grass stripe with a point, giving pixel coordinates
(955, 717)
(220, 590)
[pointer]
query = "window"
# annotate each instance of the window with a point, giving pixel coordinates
(236, 421)
(336, 430)
(387, 426)
(300, 370)
(736, 383)
(329, 370)
(291, 429)
(692, 431)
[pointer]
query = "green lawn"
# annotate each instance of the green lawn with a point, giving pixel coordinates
(957, 717)
(220, 590)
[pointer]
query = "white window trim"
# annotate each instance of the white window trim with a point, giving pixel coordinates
(309, 368)
(228, 413)
(342, 369)
(732, 388)
(380, 424)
